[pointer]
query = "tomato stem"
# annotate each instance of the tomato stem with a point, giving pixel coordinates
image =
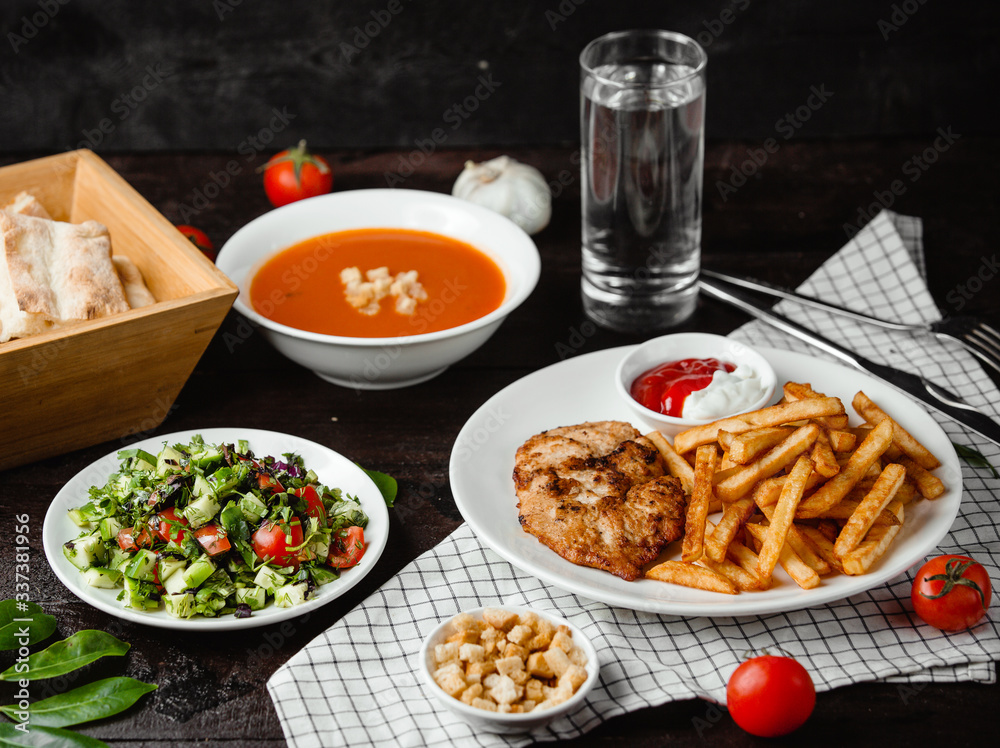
(952, 576)
(298, 156)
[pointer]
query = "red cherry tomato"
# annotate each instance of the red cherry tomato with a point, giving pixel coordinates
(167, 526)
(314, 504)
(200, 239)
(270, 543)
(664, 388)
(267, 482)
(770, 696)
(347, 548)
(295, 174)
(129, 540)
(951, 592)
(213, 539)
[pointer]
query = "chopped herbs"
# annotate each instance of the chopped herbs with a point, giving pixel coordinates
(211, 530)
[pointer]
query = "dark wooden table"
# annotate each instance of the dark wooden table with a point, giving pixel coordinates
(780, 225)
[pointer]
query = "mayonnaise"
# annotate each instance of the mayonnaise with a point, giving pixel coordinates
(728, 393)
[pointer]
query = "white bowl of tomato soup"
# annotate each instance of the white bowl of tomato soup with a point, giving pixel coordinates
(670, 382)
(380, 288)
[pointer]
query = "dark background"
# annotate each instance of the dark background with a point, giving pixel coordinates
(208, 75)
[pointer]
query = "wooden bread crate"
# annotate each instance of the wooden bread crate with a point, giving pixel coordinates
(109, 378)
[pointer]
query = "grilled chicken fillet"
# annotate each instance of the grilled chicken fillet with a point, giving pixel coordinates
(597, 495)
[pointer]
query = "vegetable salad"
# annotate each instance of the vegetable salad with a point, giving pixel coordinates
(211, 529)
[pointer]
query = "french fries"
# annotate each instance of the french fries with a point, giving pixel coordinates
(862, 519)
(677, 466)
(803, 574)
(693, 545)
(824, 461)
(734, 515)
(797, 487)
(742, 448)
(801, 391)
(691, 575)
(775, 415)
(784, 454)
(861, 559)
(781, 519)
(901, 438)
(835, 489)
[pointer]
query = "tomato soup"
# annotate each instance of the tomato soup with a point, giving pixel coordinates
(302, 285)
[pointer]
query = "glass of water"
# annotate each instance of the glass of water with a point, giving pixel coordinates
(642, 135)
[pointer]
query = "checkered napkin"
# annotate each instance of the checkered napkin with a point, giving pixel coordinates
(358, 683)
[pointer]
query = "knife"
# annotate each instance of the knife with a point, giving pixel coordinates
(932, 395)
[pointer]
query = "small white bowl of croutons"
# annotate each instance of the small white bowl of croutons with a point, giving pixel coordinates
(508, 669)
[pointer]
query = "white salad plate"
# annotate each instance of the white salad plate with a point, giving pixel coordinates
(582, 389)
(334, 471)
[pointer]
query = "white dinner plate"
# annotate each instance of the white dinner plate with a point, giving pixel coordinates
(582, 389)
(334, 471)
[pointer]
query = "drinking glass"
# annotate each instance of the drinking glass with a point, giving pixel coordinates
(642, 115)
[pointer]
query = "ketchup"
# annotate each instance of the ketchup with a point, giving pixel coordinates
(664, 388)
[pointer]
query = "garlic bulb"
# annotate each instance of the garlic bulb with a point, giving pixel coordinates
(513, 189)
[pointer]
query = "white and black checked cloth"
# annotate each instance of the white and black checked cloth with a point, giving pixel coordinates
(357, 684)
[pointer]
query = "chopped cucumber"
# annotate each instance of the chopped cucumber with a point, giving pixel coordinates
(168, 461)
(142, 566)
(178, 601)
(269, 578)
(168, 566)
(202, 487)
(253, 508)
(80, 519)
(98, 576)
(224, 480)
(140, 595)
(201, 511)
(291, 594)
(198, 572)
(109, 528)
(206, 456)
(255, 597)
(85, 551)
(118, 559)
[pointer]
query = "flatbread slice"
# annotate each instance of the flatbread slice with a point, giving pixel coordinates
(136, 291)
(27, 205)
(51, 272)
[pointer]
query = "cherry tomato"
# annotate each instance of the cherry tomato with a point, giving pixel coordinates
(295, 174)
(346, 550)
(951, 592)
(267, 482)
(314, 504)
(167, 526)
(770, 696)
(128, 540)
(200, 239)
(270, 543)
(213, 539)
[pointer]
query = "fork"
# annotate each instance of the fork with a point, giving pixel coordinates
(979, 338)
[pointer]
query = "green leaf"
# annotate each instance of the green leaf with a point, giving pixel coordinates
(96, 700)
(386, 484)
(974, 458)
(63, 657)
(34, 736)
(23, 624)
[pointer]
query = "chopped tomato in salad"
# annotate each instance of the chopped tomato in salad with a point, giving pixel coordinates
(347, 550)
(211, 529)
(279, 543)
